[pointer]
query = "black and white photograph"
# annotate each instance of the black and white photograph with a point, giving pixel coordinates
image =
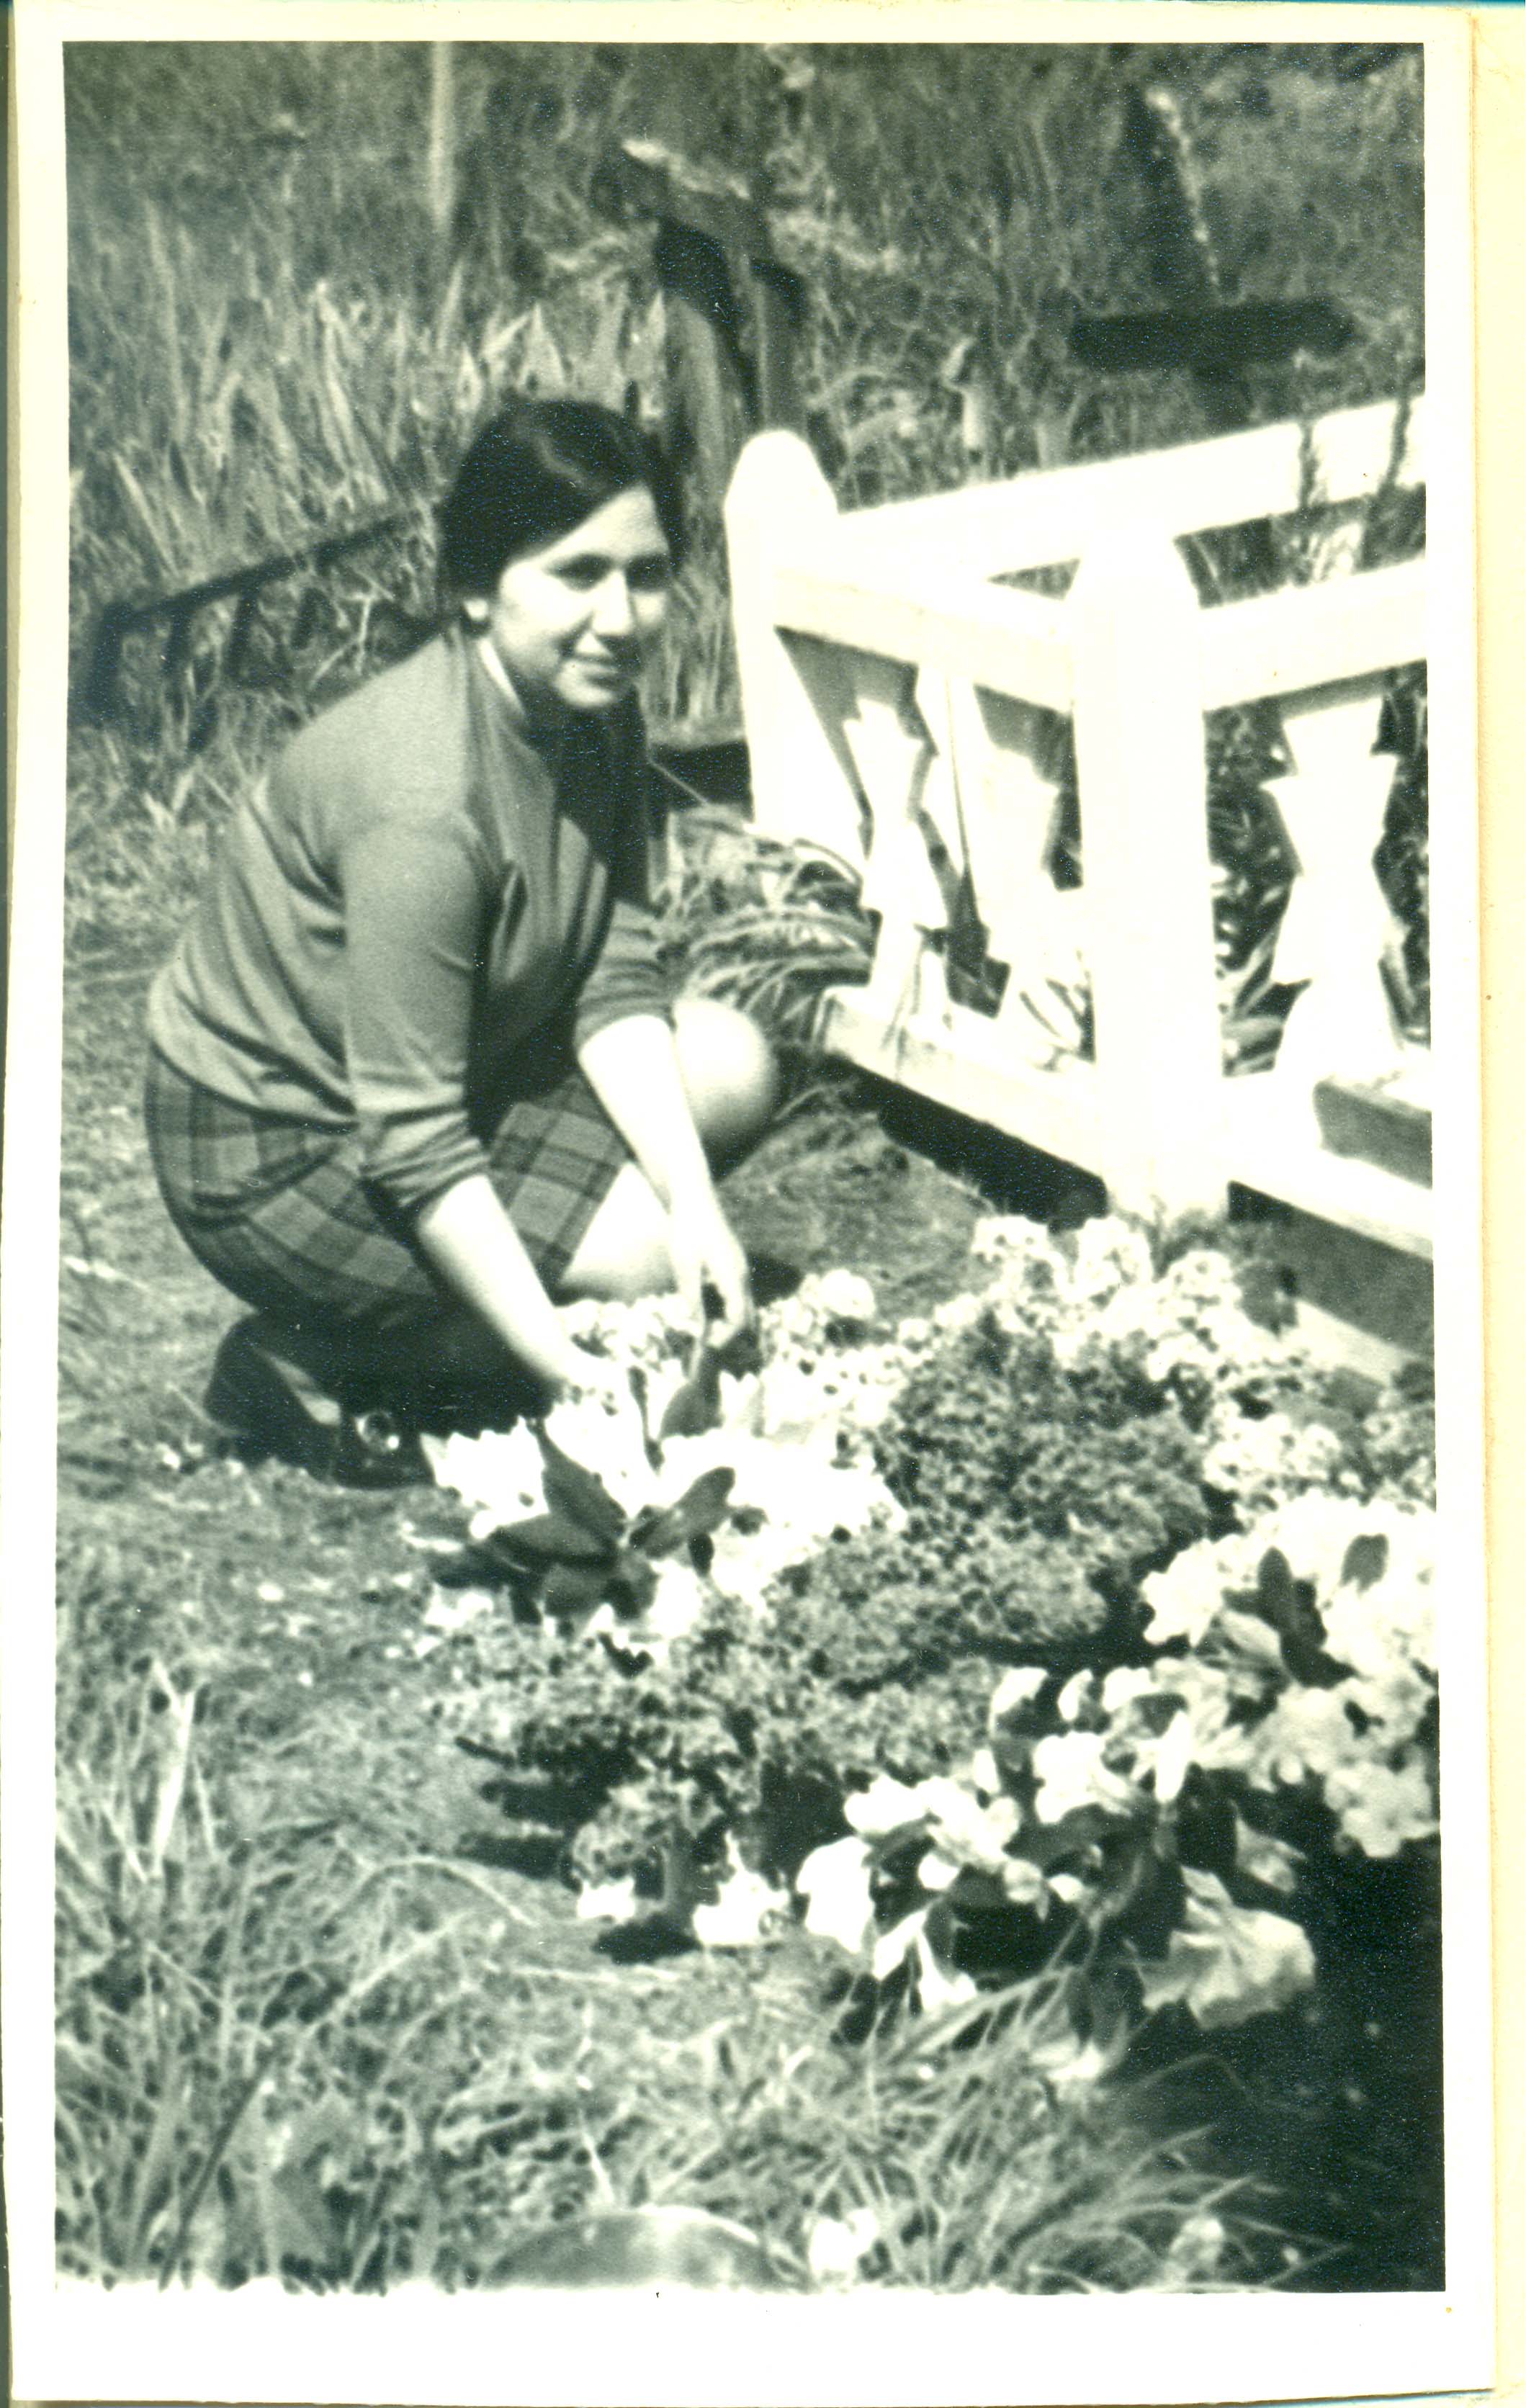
(724, 932)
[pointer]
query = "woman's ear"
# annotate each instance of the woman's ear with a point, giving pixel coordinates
(474, 607)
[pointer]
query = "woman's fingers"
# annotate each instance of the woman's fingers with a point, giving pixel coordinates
(729, 1282)
(597, 1375)
(710, 1267)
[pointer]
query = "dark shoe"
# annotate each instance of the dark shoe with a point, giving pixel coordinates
(270, 1406)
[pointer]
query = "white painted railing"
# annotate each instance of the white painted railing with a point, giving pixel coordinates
(902, 711)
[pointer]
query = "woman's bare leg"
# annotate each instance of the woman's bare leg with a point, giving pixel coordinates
(732, 1083)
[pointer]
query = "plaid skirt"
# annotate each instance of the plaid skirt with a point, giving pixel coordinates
(281, 1212)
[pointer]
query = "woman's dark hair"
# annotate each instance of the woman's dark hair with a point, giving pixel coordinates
(535, 471)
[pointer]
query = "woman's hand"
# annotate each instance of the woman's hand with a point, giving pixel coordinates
(584, 1374)
(706, 1255)
(633, 1068)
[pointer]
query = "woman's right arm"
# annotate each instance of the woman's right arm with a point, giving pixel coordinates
(412, 914)
(478, 1252)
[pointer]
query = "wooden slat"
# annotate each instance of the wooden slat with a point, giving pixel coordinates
(1269, 1148)
(1015, 643)
(967, 1067)
(1018, 644)
(804, 783)
(1312, 635)
(1147, 881)
(1052, 515)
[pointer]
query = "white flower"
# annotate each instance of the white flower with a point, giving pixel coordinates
(894, 1946)
(1001, 1237)
(1015, 1689)
(1208, 1697)
(936, 1987)
(1171, 1758)
(1228, 1962)
(834, 1881)
(1075, 1697)
(1109, 1255)
(836, 2249)
(1126, 1682)
(1027, 1887)
(1309, 1732)
(745, 1906)
(611, 1902)
(1265, 1859)
(741, 1402)
(1073, 1774)
(1197, 2252)
(985, 1773)
(1265, 1463)
(1380, 1808)
(500, 1472)
(844, 1295)
(1185, 1597)
(1389, 1626)
(977, 1834)
(936, 1873)
(677, 1603)
(606, 1434)
(745, 1565)
(885, 1806)
(453, 1610)
(663, 1382)
(1067, 2062)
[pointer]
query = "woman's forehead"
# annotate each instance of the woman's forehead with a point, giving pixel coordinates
(625, 527)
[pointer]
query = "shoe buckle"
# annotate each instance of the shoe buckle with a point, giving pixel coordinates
(379, 1433)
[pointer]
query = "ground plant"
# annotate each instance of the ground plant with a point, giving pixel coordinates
(966, 1813)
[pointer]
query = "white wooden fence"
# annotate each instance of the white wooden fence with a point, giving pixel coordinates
(900, 711)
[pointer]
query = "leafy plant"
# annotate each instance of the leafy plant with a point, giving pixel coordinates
(1131, 1820)
(766, 925)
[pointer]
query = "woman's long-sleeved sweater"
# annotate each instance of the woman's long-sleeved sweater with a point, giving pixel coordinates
(417, 891)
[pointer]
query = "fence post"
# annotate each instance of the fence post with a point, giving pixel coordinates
(1148, 897)
(794, 701)
(442, 151)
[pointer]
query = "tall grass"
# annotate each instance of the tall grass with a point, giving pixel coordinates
(266, 339)
(293, 2042)
(270, 342)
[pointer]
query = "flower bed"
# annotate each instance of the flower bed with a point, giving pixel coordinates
(1048, 1630)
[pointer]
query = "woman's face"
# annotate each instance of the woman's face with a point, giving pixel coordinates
(573, 623)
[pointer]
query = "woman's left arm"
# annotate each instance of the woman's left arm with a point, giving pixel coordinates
(632, 1065)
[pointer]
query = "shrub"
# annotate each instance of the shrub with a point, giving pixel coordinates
(998, 1436)
(1139, 1819)
(649, 1765)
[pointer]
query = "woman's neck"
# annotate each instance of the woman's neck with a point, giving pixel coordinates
(551, 718)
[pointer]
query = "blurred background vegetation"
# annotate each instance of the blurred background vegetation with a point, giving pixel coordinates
(287, 317)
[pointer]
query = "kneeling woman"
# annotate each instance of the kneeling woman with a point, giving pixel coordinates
(413, 1075)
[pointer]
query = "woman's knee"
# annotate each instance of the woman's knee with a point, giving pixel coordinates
(623, 1251)
(730, 1075)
